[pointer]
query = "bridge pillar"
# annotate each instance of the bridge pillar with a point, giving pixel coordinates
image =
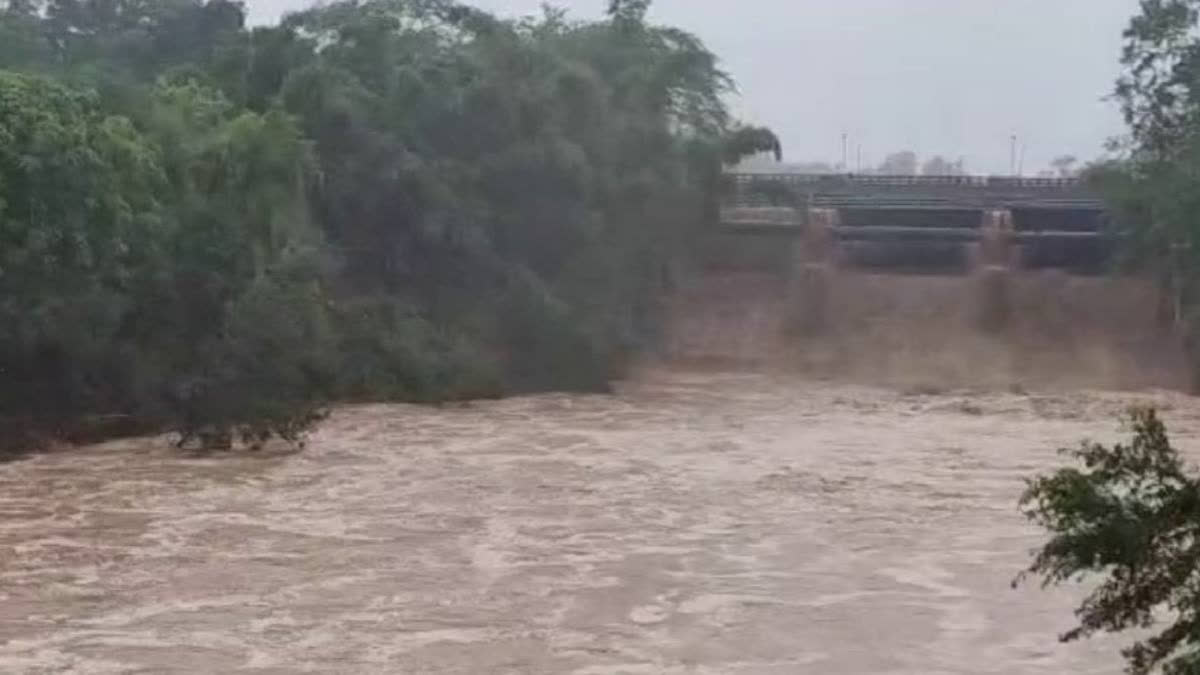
(812, 271)
(819, 243)
(995, 244)
(992, 271)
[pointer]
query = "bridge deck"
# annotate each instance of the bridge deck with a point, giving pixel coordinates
(924, 221)
(847, 190)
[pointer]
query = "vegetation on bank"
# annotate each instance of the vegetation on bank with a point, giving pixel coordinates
(1153, 184)
(1129, 513)
(218, 228)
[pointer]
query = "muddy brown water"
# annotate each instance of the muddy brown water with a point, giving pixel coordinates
(694, 522)
(905, 330)
(759, 519)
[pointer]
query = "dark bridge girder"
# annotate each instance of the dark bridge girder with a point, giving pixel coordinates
(933, 222)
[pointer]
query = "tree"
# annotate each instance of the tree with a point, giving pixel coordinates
(21, 41)
(903, 163)
(243, 326)
(1151, 184)
(1064, 166)
(557, 161)
(141, 268)
(395, 199)
(628, 10)
(1159, 92)
(940, 166)
(1131, 515)
(80, 214)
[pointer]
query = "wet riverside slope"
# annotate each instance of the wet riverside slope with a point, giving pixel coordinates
(692, 523)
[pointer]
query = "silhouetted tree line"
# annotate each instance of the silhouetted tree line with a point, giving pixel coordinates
(218, 229)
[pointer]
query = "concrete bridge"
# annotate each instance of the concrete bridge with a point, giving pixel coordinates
(922, 224)
(806, 230)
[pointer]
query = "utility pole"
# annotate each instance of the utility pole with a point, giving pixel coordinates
(845, 158)
(1012, 156)
(858, 161)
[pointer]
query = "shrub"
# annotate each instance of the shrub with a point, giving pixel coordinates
(1131, 515)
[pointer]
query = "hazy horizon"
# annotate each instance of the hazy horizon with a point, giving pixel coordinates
(938, 78)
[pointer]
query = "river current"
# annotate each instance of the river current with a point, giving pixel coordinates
(694, 522)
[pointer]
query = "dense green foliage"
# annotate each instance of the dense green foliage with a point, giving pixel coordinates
(220, 228)
(1132, 515)
(1154, 185)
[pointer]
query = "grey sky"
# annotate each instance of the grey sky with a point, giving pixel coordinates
(950, 77)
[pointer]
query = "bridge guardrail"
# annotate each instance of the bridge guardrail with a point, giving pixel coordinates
(882, 191)
(911, 232)
(901, 180)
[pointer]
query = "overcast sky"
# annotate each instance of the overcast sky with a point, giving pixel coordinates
(950, 77)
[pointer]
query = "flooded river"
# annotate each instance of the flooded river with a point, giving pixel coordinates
(692, 523)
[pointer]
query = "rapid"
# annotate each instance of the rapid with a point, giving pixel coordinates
(703, 518)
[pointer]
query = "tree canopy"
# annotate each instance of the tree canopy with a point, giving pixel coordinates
(212, 225)
(1152, 182)
(903, 163)
(940, 166)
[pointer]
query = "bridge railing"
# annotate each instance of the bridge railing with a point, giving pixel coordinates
(904, 180)
(886, 191)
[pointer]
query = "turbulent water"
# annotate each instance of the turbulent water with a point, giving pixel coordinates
(691, 523)
(1059, 330)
